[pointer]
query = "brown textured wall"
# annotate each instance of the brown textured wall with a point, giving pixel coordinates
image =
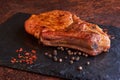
(103, 12)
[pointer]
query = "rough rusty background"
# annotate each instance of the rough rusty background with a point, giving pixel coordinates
(103, 12)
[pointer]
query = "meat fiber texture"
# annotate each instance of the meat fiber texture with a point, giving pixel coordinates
(62, 28)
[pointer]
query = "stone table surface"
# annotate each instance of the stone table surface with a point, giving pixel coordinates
(102, 12)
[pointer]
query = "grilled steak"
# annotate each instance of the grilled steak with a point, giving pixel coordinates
(62, 28)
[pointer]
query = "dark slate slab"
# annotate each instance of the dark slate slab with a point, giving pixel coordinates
(102, 67)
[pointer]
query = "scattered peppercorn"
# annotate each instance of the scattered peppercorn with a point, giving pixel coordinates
(77, 58)
(33, 51)
(49, 55)
(73, 58)
(13, 60)
(21, 49)
(46, 53)
(79, 53)
(83, 54)
(70, 52)
(71, 61)
(55, 58)
(112, 37)
(62, 49)
(88, 63)
(80, 68)
(34, 57)
(19, 56)
(65, 57)
(27, 53)
(75, 53)
(86, 55)
(55, 52)
(60, 60)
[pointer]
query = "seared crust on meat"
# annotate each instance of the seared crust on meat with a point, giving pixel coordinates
(62, 28)
(53, 20)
